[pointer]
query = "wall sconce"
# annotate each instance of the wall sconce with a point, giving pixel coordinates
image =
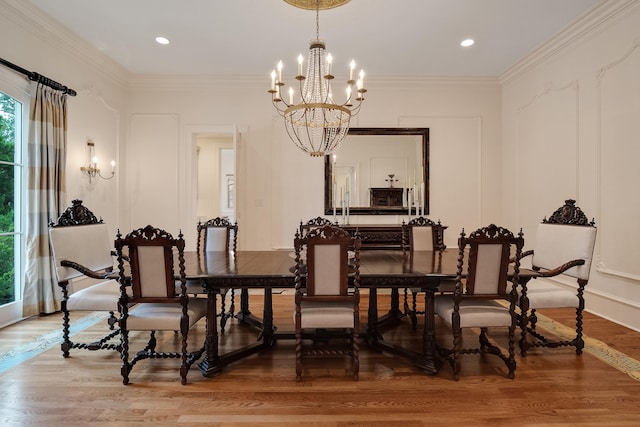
(91, 169)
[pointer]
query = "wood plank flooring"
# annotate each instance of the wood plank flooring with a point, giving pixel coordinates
(551, 387)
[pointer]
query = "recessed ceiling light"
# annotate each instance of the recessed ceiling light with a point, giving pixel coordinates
(162, 40)
(467, 42)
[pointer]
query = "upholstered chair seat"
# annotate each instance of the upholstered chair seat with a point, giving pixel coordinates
(323, 315)
(542, 293)
(474, 314)
(102, 296)
(164, 317)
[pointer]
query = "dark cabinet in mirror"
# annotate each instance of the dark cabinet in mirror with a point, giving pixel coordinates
(379, 171)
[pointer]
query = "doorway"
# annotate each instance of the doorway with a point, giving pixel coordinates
(216, 177)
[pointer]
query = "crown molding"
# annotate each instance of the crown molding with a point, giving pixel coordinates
(185, 82)
(585, 26)
(432, 81)
(195, 81)
(57, 37)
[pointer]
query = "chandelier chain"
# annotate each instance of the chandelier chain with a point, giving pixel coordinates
(317, 19)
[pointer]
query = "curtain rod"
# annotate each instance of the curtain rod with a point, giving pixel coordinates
(33, 76)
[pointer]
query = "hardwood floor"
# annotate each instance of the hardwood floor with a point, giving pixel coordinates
(551, 387)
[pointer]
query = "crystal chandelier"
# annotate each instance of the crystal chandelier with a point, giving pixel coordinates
(316, 123)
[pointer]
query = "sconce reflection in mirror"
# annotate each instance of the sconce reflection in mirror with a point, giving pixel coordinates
(91, 169)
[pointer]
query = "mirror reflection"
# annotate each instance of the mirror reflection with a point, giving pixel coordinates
(379, 171)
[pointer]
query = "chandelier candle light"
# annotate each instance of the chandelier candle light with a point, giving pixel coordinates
(316, 124)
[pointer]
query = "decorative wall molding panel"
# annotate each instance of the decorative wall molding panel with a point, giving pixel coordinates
(618, 115)
(547, 146)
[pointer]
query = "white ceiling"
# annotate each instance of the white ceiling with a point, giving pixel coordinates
(385, 37)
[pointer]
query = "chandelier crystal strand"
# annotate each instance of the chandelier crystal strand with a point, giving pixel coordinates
(316, 124)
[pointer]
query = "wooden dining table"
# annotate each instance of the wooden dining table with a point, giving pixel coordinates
(268, 270)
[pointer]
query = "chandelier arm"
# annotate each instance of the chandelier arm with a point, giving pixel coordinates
(103, 177)
(355, 109)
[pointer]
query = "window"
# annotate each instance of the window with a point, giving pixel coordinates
(11, 207)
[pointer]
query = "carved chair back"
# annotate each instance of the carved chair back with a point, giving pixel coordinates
(151, 257)
(567, 235)
(313, 223)
(489, 253)
(217, 234)
(78, 236)
(423, 234)
(327, 261)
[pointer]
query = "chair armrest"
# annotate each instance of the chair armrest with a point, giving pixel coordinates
(124, 257)
(561, 269)
(522, 255)
(84, 270)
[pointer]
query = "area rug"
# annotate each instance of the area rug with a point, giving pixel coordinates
(597, 348)
(44, 342)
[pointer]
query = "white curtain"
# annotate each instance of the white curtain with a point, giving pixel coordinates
(46, 193)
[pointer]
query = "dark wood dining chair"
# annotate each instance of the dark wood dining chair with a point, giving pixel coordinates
(82, 251)
(323, 298)
(563, 250)
(476, 301)
(150, 284)
(219, 235)
(422, 234)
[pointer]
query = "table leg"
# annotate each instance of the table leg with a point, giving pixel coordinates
(268, 330)
(373, 335)
(209, 365)
(244, 315)
(244, 312)
(428, 361)
(394, 315)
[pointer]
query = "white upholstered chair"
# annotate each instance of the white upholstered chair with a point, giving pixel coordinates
(422, 234)
(324, 300)
(150, 285)
(475, 301)
(563, 252)
(81, 248)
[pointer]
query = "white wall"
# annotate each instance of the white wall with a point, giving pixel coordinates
(570, 131)
(98, 112)
(279, 185)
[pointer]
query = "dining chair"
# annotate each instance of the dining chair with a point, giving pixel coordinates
(82, 252)
(218, 235)
(476, 301)
(563, 252)
(324, 301)
(150, 284)
(422, 234)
